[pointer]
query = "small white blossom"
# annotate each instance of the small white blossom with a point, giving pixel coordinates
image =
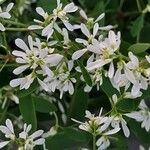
(134, 73)
(8, 130)
(31, 140)
(104, 50)
(49, 23)
(62, 80)
(35, 58)
(90, 37)
(143, 116)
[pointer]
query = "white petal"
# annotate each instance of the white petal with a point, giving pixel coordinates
(10, 125)
(37, 134)
(19, 53)
(5, 15)
(16, 82)
(20, 61)
(134, 59)
(30, 41)
(130, 76)
(47, 30)
(20, 69)
(78, 40)
(113, 131)
(148, 58)
(43, 85)
(54, 59)
(125, 129)
(85, 30)
(135, 89)
(100, 17)
(83, 14)
(95, 29)
(97, 64)
(40, 11)
(111, 70)
(9, 7)
(70, 8)
(68, 25)
(76, 55)
(39, 141)
(2, 144)
(107, 28)
(21, 44)
(2, 28)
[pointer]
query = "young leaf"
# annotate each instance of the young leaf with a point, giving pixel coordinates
(85, 74)
(137, 26)
(108, 88)
(68, 139)
(78, 104)
(139, 48)
(27, 110)
(139, 132)
(42, 105)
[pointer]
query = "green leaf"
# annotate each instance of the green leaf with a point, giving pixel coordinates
(78, 104)
(139, 132)
(137, 25)
(31, 89)
(108, 88)
(42, 105)
(139, 48)
(48, 5)
(85, 74)
(69, 138)
(119, 142)
(27, 110)
(2, 1)
(128, 105)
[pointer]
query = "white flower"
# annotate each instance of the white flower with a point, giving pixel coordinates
(98, 123)
(35, 58)
(143, 116)
(8, 130)
(92, 20)
(134, 73)
(30, 141)
(103, 142)
(104, 50)
(90, 37)
(49, 23)
(5, 14)
(117, 121)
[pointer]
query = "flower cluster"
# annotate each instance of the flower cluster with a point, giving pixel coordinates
(24, 141)
(98, 126)
(51, 61)
(49, 24)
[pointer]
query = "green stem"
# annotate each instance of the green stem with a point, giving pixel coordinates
(17, 29)
(14, 23)
(56, 119)
(94, 141)
(138, 5)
